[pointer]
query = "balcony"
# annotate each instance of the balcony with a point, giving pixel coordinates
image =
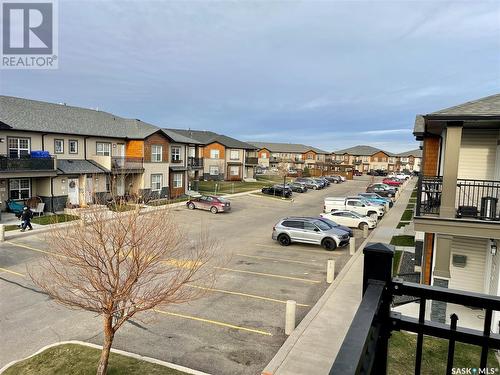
(195, 162)
(475, 212)
(250, 160)
(274, 159)
(27, 164)
(120, 164)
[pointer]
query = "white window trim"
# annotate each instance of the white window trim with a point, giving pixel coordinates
(75, 141)
(231, 155)
(160, 181)
(175, 153)
(213, 167)
(234, 167)
(104, 152)
(156, 157)
(213, 152)
(20, 189)
(62, 146)
(18, 147)
(177, 182)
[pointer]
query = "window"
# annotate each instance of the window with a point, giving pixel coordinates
(214, 170)
(192, 152)
(234, 155)
(19, 147)
(103, 148)
(108, 183)
(214, 154)
(59, 146)
(156, 153)
(263, 155)
(156, 182)
(234, 170)
(176, 153)
(310, 156)
(73, 146)
(178, 180)
(322, 225)
(293, 224)
(19, 188)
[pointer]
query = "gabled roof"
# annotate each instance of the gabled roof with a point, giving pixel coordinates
(362, 150)
(416, 153)
(179, 138)
(287, 147)
(487, 106)
(33, 115)
(206, 137)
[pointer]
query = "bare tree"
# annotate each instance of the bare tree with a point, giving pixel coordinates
(120, 264)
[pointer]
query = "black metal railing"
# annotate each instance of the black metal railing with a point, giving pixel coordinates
(123, 163)
(274, 159)
(365, 347)
(476, 199)
(251, 160)
(195, 162)
(26, 163)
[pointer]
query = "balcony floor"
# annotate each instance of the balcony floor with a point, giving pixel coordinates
(457, 227)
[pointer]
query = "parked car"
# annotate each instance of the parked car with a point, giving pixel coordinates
(309, 182)
(378, 196)
(277, 190)
(376, 201)
(381, 172)
(391, 181)
(357, 173)
(297, 187)
(381, 189)
(334, 224)
(212, 203)
(325, 181)
(334, 179)
(351, 219)
(309, 230)
(322, 184)
(358, 205)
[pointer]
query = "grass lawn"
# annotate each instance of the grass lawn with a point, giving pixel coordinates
(121, 207)
(414, 194)
(82, 360)
(11, 227)
(407, 215)
(402, 347)
(402, 224)
(395, 263)
(410, 206)
(231, 187)
(53, 219)
(403, 241)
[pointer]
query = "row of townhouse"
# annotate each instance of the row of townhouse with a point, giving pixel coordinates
(367, 158)
(457, 218)
(90, 154)
(292, 156)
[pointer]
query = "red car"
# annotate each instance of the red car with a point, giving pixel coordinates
(391, 182)
(212, 203)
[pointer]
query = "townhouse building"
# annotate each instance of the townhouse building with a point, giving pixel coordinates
(367, 158)
(457, 217)
(76, 156)
(292, 156)
(225, 158)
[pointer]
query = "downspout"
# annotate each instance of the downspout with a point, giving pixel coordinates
(52, 194)
(85, 148)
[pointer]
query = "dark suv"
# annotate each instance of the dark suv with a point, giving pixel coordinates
(277, 190)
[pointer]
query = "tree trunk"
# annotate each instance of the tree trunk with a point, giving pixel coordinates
(102, 368)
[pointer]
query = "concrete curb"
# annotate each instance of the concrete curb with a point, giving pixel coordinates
(272, 197)
(117, 351)
(46, 228)
(290, 342)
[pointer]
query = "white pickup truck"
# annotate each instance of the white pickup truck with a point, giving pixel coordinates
(358, 205)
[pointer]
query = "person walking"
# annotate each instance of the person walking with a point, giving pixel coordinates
(26, 217)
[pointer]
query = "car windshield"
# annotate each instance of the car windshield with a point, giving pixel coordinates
(322, 225)
(222, 200)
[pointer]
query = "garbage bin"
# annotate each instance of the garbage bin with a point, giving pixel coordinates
(489, 208)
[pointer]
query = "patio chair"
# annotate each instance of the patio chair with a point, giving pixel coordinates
(40, 207)
(15, 207)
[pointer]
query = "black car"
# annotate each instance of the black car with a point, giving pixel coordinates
(325, 180)
(381, 190)
(277, 190)
(334, 179)
(297, 187)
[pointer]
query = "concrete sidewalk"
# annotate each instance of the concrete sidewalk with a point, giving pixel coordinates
(313, 346)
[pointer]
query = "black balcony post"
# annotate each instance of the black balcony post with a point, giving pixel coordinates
(419, 195)
(378, 258)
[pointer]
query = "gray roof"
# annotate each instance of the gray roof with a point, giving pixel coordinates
(206, 137)
(287, 147)
(416, 153)
(362, 150)
(33, 115)
(179, 138)
(78, 166)
(488, 106)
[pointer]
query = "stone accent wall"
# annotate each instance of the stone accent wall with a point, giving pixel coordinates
(55, 204)
(438, 308)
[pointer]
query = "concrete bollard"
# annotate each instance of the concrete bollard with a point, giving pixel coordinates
(352, 246)
(365, 231)
(2, 232)
(330, 271)
(291, 307)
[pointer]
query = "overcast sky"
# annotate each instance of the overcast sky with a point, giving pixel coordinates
(330, 74)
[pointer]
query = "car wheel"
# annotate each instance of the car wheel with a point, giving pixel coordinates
(362, 225)
(315, 188)
(329, 244)
(284, 240)
(191, 206)
(214, 210)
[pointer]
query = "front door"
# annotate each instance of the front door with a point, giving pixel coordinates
(89, 190)
(120, 185)
(73, 191)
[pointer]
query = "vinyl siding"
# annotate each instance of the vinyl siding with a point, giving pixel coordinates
(470, 277)
(478, 154)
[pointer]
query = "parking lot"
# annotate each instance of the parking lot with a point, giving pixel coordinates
(235, 329)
